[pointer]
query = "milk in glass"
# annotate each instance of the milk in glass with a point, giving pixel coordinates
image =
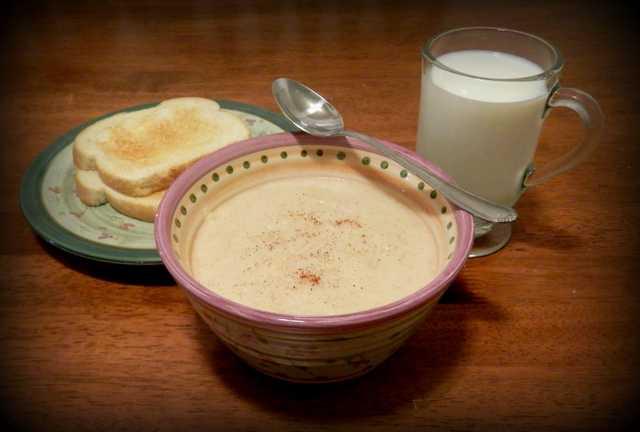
(482, 132)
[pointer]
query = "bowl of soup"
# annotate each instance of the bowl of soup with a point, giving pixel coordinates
(312, 259)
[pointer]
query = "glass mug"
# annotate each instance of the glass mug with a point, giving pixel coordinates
(485, 93)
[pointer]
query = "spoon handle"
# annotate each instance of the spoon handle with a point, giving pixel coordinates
(474, 204)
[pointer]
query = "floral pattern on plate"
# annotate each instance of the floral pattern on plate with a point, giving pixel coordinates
(103, 224)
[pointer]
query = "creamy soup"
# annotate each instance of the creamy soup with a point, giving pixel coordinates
(317, 245)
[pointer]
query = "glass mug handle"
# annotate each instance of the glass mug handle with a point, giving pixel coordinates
(592, 120)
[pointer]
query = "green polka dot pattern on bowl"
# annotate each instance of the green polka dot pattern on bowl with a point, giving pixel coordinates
(285, 156)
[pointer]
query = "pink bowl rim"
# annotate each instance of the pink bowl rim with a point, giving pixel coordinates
(185, 181)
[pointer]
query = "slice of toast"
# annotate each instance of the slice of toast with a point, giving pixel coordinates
(93, 192)
(90, 188)
(142, 152)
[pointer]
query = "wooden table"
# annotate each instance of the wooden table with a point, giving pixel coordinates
(541, 336)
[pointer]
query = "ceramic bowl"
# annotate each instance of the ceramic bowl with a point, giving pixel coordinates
(308, 349)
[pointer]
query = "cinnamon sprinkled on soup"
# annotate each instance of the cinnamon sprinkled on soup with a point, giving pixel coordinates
(316, 245)
(307, 276)
(349, 222)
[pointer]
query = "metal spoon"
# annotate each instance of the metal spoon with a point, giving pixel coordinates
(315, 115)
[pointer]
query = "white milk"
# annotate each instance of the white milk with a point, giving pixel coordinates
(483, 133)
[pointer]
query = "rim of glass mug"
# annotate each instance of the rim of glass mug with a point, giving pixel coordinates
(556, 65)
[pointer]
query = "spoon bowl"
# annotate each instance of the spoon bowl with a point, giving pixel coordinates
(306, 108)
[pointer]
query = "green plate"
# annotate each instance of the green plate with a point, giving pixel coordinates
(49, 202)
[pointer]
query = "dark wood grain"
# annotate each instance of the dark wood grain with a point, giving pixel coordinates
(541, 336)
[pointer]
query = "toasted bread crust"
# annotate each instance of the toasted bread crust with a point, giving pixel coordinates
(144, 186)
(138, 208)
(90, 191)
(93, 192)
